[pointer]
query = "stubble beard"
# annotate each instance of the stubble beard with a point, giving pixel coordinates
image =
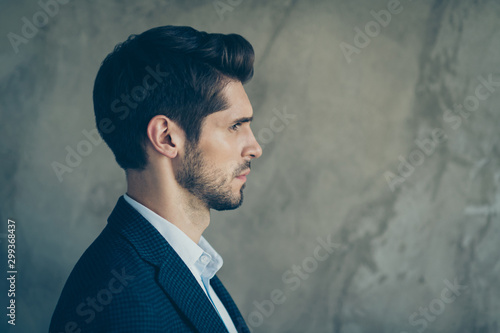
(209, 184)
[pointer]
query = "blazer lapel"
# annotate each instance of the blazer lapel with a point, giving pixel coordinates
(179, 283)
(229, 304)
(173, 276)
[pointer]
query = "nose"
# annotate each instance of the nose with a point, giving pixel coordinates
(253, 149)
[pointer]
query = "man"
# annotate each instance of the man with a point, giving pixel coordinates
(170, 104)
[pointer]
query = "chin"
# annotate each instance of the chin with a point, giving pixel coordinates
(231, 204)
(226, 206)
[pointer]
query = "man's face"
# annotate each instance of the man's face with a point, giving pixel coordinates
(210, 168)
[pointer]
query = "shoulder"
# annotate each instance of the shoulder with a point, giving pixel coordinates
(110, 285)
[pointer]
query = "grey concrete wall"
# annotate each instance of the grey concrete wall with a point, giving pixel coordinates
(414, 223)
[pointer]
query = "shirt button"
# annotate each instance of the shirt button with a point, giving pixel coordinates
(205, 259)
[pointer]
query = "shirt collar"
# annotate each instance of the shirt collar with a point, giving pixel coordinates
(202, 256)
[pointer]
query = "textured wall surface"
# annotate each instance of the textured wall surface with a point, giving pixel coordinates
(390, 152)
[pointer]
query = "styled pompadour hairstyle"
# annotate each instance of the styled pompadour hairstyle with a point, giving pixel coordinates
(175, 71)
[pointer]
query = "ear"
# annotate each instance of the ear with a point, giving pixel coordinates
(166, 137)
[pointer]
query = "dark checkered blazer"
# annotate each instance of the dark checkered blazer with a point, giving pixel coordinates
(131, 280)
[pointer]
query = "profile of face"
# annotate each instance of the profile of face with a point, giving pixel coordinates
(211, 169)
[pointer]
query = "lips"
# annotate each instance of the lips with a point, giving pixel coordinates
(243, 176)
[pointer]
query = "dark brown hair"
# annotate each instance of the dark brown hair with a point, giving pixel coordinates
(176, 71)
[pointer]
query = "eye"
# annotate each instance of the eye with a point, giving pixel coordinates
(235, 127)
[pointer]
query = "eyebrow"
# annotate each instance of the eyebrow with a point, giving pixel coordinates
(243, 120)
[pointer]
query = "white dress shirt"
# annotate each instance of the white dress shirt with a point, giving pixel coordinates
(201, 259)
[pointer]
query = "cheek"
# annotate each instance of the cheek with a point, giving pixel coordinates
(221, 147)
(222, 151)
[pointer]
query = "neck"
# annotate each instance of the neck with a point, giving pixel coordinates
(166, 198)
